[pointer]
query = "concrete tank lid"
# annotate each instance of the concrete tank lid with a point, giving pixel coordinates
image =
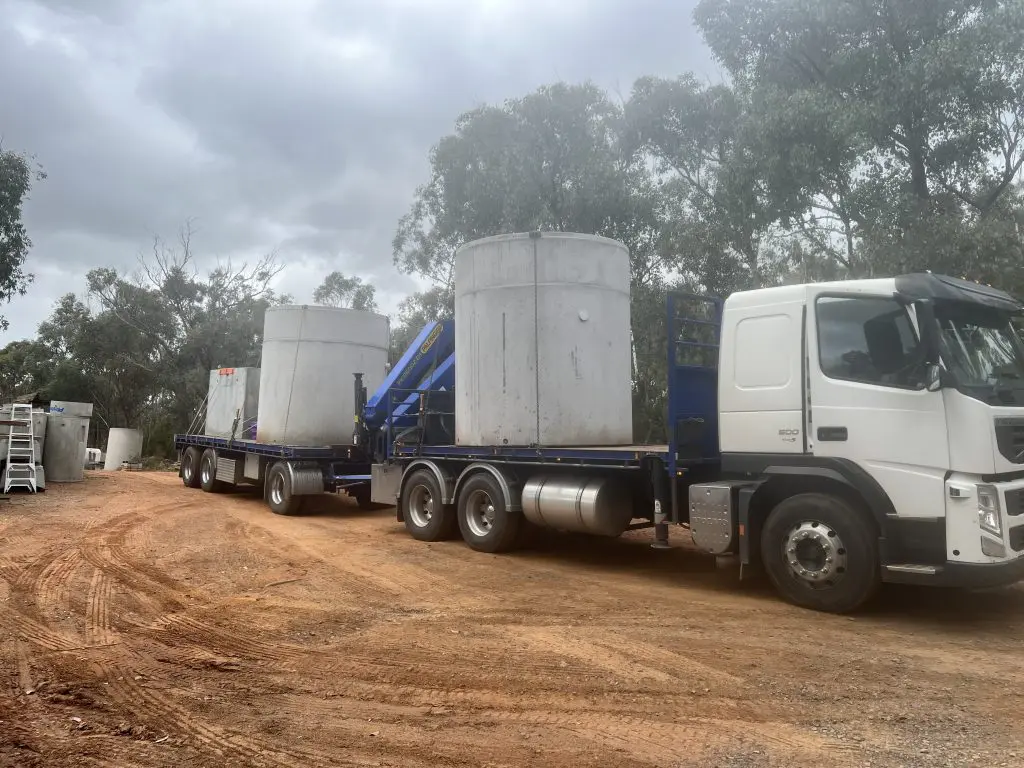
(322, 308)
(552, 234)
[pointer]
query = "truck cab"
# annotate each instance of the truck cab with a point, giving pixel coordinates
(875, 429)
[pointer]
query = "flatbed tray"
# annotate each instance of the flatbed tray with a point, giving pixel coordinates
(614, 455)
(331, 452)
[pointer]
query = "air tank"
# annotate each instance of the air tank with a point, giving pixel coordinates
(542, 341)
(122, 445)
(310, 354)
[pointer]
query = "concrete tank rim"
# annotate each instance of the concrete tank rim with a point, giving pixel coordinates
(322, 308)
(548, 235)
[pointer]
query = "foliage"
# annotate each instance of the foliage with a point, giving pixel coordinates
(339, 291)
(887, 134)
(16, 176)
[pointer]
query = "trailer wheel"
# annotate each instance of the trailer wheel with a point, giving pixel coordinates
(208, 472)
(485, 523)
(821, 553)
(278, 491)
(426, 516)
(190, 461)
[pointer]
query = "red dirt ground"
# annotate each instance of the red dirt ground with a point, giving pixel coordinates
(146, 624)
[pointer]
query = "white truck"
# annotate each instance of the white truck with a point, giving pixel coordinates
(840, 435)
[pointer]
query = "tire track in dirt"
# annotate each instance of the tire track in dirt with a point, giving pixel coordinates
(160, 712)
(175, 630)
(33, 632)
(97, 615)
(51, 590)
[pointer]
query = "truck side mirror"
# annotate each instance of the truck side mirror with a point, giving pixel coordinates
(933, 377)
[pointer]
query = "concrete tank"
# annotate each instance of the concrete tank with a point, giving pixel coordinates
(310, 353)
(122, 445)
(233, 394)
(64, 450)
(542, 341)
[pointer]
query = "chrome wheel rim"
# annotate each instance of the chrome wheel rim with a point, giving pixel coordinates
(480, 513)
(207, 472)
(815, 555)
(188, 466)
(421, 506)
(277, 489)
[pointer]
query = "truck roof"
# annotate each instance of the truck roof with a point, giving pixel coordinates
(920, 285)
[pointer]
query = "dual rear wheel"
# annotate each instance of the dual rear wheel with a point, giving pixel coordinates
(480, 513)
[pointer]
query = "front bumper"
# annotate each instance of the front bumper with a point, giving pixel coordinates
(965, 575)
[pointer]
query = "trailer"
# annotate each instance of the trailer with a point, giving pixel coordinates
(288, 474)
(835, 436)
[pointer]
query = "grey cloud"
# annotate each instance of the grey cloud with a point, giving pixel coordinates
(301, 125)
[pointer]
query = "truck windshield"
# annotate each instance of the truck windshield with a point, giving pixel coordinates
(983, 352)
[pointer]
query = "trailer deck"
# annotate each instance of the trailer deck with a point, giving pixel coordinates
(606, 455)
(313, 452)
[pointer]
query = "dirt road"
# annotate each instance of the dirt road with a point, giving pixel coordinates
(145, 624)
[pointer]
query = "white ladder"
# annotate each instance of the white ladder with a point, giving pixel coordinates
(20, 471)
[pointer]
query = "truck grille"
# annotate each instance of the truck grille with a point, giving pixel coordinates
(1010, 439)
(1017, 538)
(1014, 502)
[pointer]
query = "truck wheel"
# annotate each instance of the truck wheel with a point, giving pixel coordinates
(485, 523)
(208, 472)
(821, 553)
(278, 490)
(190, 460)
(423, 510)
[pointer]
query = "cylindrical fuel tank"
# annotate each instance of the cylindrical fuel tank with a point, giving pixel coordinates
(310, 354)
(597, 505)
(122, 445)
(542, 341)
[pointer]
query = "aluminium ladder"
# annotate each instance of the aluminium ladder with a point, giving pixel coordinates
(20, 471)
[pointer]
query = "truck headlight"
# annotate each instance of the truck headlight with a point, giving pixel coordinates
(988, 510)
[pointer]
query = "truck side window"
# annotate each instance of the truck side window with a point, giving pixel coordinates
(869, 340)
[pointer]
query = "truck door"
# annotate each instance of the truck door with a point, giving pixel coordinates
(867, 397)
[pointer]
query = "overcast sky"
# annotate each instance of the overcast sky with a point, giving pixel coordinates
(300, 125)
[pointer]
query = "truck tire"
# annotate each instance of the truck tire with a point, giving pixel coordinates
(208, 472)
(278, 491)
(821, 553)
(426, 516)
(190, 460)
(485, 523)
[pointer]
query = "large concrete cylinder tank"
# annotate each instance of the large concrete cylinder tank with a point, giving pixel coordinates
(122, 445)
(542, 341)
(310, 354)
(64, 451)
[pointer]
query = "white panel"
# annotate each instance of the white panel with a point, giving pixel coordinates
(762, 432)
(762, 362)
(563, 299)
(759, 387)
(310, 353)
